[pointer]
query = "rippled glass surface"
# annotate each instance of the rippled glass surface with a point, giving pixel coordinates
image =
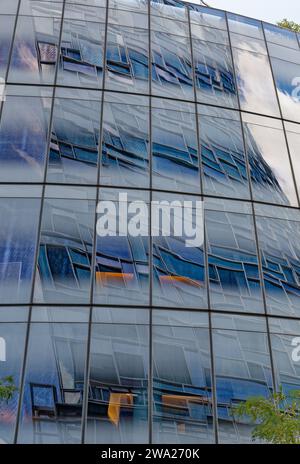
(175, 160)
(81, 53)
(271, 175)
(18, 241)
(278, 236)
(65, 250)
(122, 258)
(178, 270)
(222, 153)
(118, 381)
(125, 141)
(127, 67)
(232, 257)
(171, 66)
(12, 346)
(35, 50)
(243, 370)
(54, 384)
(74, 146)
(23, 140)
(182, 389)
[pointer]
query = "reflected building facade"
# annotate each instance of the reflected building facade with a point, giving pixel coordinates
(123, 339)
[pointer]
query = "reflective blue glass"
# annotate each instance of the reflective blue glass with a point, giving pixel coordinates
(278, 236)
(54, 384)
(232, 257)
(73, 155)
(175, 160)
(125, 144)
(182, 388)
(18, 237)
(23, 139)
(243, 370)
(65, 250)
(81, 54)
(270, 169)
(127, 55)
(6, 32)
(118, 382)
(178, 270)
(222, 153)
(12, 342)
(171, 66)
(121, 268)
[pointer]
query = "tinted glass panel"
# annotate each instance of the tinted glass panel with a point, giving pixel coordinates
(222, 153)
(54, 383)
(125, 144)
(178, 270)
(255, 82)
(122, 272)
(279, 243)
(171, 66)
(6, 31)
(73, 155)
(65, 252)
(81, 60)
(12, 346)
(127, 59)
(182, 388)
(271, 174)
(232, 258)
(35, 50)
(23, 139)
(243, 370)
(18, 236)
(175, 160)
(117, 403)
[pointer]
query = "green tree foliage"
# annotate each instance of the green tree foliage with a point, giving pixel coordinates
(276, 419)
(291, 25)
(7, 388)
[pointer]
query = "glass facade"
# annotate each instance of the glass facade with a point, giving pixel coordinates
(138, 339)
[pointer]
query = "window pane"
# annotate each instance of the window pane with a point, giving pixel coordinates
(23, 139)
(18, 237)
(127, 54)
(65, 252)
(117, 404)
(35, 50)
(270, 168)
(232, 258)
(6, 32)
(207, 16)
(12, 346)
(287, 83)
(81, 61)
(171, 66)
(279, 238)
(215, 81)
(280, 36)
(125, 145)
(293, 137)
(222, 153)
(174, 9)
(287, 371)
(73, 156)
(54, 383)
(182, 391)
(175, 159)
(243, 370)
(8, 6)
(255, 82)
(178, 269)
(246, 26)
(122, 269)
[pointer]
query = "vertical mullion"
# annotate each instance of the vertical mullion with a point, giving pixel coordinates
(150, 243)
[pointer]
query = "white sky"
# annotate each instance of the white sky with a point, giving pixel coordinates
(267, 10)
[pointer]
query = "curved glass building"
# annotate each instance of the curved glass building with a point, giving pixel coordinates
(138, 339)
